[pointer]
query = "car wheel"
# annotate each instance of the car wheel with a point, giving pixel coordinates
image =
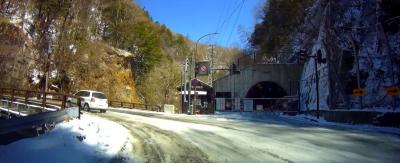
(86, 107)
(103, 111)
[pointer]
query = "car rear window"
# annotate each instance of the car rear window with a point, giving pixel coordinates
(99, 95)
(83, 94)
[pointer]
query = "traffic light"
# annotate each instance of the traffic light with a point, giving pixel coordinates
(186, 65)
(302, 55)
(234, 69)
(319, 57)
(196, 69)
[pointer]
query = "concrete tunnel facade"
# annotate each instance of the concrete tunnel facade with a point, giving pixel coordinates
(280, 77)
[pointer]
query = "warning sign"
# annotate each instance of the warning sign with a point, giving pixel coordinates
(392, 91)
(359, 92)
(202, 68)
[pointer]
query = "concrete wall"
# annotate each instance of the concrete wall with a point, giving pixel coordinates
(239, 84)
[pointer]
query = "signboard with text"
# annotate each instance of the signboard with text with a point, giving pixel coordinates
(392, 91)
(359, 92)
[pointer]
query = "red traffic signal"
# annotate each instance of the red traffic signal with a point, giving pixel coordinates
(302, 54)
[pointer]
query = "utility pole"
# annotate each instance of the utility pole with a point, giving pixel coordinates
(184, 81)
(46, 72)
(190, 87)
(211, 55)
(183, 96)
(185, 69)
(211, 80)
(317, 84)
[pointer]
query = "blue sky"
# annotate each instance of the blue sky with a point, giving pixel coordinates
(195, 18)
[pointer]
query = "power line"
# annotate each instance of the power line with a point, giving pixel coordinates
(235, 23)
(238, 7)
(220, 18)
(226, 19)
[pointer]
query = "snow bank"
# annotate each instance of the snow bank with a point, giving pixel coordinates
(90, 139)
(322, 122)
(299, 120)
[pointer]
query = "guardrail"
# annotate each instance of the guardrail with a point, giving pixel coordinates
(25, 109)
(131, 105)
(284, 104)
(35, 101)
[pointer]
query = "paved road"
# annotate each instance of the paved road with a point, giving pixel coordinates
(161, 138)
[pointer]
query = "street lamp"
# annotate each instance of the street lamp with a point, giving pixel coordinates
(193, 61)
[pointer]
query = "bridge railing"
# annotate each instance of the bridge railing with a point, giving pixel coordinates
(131, 105)
(27, 102)
(34, 109)
(284, 104)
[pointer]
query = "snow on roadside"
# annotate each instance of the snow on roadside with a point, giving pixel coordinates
(266, 117)
(302, 119)
(269, 117)
(322, 122)
(90, 139)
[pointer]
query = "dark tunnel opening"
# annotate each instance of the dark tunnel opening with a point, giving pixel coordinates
(265, 89)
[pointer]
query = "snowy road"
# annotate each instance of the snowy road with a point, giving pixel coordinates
(160, 138)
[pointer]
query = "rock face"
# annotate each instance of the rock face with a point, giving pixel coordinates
(14, 55)
(104, 68)
(361, 41)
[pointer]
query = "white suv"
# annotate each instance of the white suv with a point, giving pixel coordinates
(93, 100)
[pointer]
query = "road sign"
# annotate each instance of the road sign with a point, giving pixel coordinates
(248, 105)
(202, 68)
(392, 91)
(359, 92)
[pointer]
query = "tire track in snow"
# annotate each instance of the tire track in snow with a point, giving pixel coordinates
(152, 144)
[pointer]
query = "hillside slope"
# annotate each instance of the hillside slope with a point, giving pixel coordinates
(106, 45)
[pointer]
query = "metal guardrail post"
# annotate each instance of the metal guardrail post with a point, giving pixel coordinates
(64, 100)
(26, 100)
(1, 96)
(44, 100)
(79, 107)
(12, 98)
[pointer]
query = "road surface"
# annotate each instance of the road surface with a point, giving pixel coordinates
(156, 138)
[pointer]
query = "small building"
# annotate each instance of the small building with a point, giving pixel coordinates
(201, 95)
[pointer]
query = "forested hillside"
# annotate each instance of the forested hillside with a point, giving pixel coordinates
(107, 45)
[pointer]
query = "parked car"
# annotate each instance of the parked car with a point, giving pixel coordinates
(92, 100)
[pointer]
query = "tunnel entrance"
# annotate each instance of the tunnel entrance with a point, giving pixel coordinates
(265, 89)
